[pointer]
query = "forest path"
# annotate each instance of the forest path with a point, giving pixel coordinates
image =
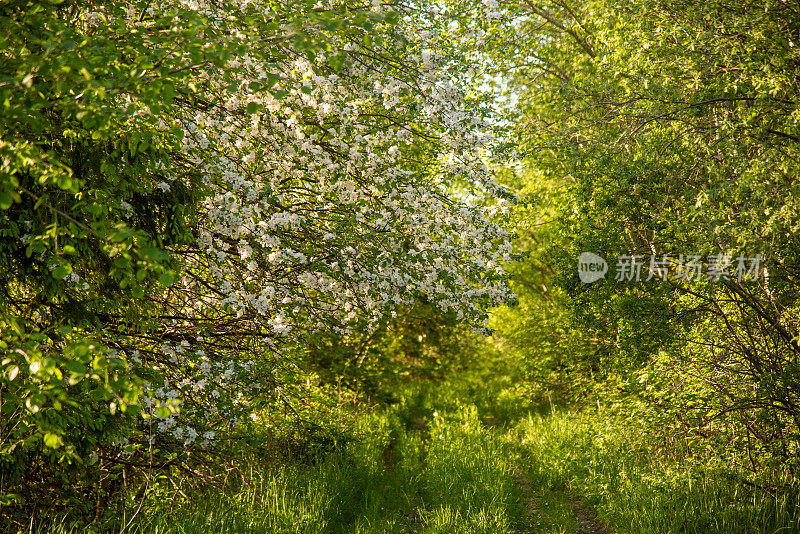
(563, 512)
(444, 457)
(463, 472)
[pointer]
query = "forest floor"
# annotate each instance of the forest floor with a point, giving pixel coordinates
(445, 458)
(475, 454)
(472, 453)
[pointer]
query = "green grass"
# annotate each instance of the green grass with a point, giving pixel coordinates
(467, 476)
(470, 455)
(634, 490)
(426, 465)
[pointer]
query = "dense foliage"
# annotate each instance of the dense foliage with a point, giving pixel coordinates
(673, 127)
(193, 194)
(227, 226)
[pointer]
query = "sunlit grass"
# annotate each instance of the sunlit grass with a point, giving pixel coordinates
(415, 469)
(634, 490)
(445, 459)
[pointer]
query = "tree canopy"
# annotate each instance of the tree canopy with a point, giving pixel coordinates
(673, 128)
(192, 190)
(213, 215)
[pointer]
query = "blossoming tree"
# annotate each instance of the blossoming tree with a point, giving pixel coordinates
(190, 189)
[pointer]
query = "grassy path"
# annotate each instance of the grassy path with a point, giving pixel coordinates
(468, 456)
(435, 462)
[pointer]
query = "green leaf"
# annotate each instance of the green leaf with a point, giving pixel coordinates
(81, 351)
(76, 367)
(32, 404)
(52, 440)
(6, 200)
(60, 272)
(64, 181)
(153, 254)
(166, 279)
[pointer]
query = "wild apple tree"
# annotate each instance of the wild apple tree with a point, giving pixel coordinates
(189, 189)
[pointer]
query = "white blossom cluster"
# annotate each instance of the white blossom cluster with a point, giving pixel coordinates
(204, 393)
(333, 196)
